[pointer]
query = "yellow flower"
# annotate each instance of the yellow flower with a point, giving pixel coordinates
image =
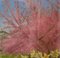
(24, 56)
(54, 53)
(46, 56)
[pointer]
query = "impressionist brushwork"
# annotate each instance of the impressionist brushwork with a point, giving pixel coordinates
(27, 25)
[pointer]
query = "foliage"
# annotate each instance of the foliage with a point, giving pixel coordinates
(33, 54)
(2, 33)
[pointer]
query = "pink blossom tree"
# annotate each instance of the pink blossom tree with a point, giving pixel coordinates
(36, 30)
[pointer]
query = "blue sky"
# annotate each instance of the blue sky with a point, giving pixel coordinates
(44, 4)
(1, 9)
